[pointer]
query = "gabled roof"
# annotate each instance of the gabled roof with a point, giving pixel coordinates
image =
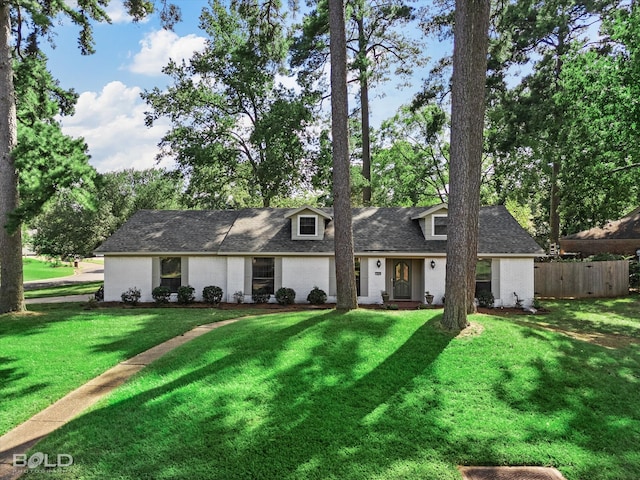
(171, 231)
(311, 209)
(627, 227)
(431, 210)
(268, 230)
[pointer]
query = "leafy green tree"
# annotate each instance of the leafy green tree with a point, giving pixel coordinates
(22, 25)
(67, 228)
(532, 132)
(46, 159)
(411, 158)
(127, 191)
(601, 172)
(376, 46)
(72, 225)
(235, 127)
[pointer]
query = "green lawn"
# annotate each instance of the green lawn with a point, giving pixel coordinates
(88, 289)
(371, 394)
(35, 269)
(54, 348)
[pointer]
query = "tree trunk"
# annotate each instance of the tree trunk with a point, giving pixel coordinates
(11, 288)
(554, 212)
(364, 114)
(467, 125)
(345, 264)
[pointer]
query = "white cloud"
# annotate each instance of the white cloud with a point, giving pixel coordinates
(112, 124)
(117, 13)
(159, 46)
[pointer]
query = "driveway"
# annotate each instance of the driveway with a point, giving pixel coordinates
(85, 272)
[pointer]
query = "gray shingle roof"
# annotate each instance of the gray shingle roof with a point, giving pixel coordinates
(627, 227)
(268, 230)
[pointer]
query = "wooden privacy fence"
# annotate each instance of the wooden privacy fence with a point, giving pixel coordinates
(582, 279)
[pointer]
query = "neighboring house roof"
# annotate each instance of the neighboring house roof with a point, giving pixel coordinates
(627, 227)
(268, 230)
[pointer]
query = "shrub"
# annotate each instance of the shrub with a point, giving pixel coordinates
(212, 294)
(161, 295)
(186, 294)
(261, 296)
(99, 295)
(238, 296)
(285, 296)
(317, 296)
(486, 299)
(634, 274)
(131, 296)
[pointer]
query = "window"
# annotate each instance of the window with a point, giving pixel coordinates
(307, 225)
(440, 225)
(263, 275)
(170, 273)
(483, 276)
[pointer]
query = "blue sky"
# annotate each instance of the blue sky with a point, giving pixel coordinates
(129, 58)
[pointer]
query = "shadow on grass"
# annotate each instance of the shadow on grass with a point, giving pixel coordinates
(9, 376)
(363, 395)
(300, 400)
(588, 396)
(610, 316)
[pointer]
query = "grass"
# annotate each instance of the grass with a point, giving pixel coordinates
(88, 289)
(53, 349)
(373, 395)
(35, 269)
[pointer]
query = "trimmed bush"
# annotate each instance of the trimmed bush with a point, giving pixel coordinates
(131, 296)
(261, 296)
(161, 295)
(285, 296)
(186, 294)
(212, 294)
(317, 296)
(486, 299)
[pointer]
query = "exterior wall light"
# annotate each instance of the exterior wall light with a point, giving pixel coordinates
(378, 263)
(433, 264)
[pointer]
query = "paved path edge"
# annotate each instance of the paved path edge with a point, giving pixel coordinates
(23, 437)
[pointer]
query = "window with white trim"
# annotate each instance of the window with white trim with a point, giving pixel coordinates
(171, 273)
(308, 225)
(439, 225)
(263, 275)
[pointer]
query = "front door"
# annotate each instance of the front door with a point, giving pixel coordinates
(402, 279)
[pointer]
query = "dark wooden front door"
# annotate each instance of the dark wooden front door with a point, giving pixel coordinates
(402, 279)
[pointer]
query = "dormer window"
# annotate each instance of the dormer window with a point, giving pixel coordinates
(439, 223)
(308, 225)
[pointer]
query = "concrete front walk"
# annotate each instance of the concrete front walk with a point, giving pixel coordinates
(19, 440)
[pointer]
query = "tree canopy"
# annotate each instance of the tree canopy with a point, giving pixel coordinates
(236, 129)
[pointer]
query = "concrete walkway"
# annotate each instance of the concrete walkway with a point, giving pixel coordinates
(19, 440)
(84, 273)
